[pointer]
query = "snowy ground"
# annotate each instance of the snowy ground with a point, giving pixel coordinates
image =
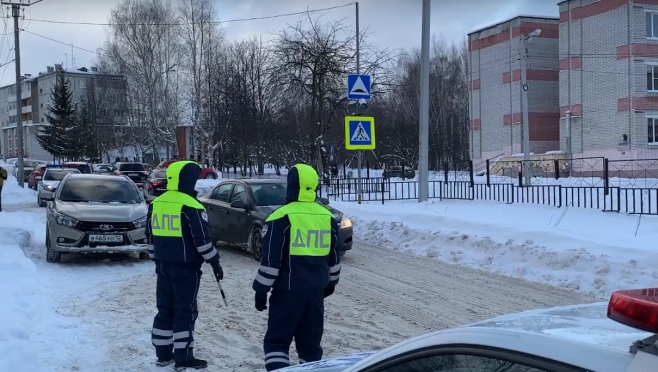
(441, 266)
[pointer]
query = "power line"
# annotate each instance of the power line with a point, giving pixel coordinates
(59, 42)
(190, 23)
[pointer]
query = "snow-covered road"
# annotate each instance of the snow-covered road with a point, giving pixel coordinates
(98, 312)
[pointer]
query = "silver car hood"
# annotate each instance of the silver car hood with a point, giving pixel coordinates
(102, 212)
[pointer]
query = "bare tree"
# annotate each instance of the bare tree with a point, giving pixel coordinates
(144, 45)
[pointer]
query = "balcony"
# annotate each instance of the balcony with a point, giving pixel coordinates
(12, 112)
(26, 94)
(26, 109)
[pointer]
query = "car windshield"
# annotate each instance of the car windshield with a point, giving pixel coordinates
(83, 168)
(160, 174)
(30, 164)
(58, 174)
(269, 193)
(133, 167)
(101, 190)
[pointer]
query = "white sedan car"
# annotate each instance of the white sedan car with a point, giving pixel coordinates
(567, 339)
(48, 185)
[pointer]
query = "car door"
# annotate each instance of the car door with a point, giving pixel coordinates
(238, 220)
(474, 359)
(216, 208)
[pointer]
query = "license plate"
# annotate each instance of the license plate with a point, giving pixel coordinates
(105, 238)
(131, 174)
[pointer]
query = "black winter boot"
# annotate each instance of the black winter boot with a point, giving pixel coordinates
(193, 363)
(164, 362)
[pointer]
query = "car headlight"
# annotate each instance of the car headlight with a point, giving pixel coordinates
(140, 223)
(345, 223)
(67, 221)
(49, 188)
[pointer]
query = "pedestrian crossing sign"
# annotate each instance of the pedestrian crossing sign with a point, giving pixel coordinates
(359, 133)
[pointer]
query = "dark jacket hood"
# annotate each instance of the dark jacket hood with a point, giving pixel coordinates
(182, 176)
(302, 184)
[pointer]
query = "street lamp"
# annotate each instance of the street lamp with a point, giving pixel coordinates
(524, 104)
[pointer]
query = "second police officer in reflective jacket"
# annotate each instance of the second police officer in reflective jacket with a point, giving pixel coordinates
(301, 265)
(179, 242)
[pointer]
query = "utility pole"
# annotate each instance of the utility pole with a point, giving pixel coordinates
(527, 171)
(568, 115)
(423, 132)
(16, 13)
(359, 153)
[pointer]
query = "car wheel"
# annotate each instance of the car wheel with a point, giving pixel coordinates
(52, 256)
(144, 256)
(40, 202)
(210, 176)
(256, 243)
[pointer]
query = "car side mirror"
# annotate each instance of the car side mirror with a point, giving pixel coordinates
(239, 204)
(325, 201)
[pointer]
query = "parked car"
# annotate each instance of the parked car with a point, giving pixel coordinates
(155, 185)
(102, 168)
(79, 165)
(206, 173)
(95, 213)
(49, 183)
(28, 166)
(237, 210)
(563, 339)
(396, 171)
(36, 175)
(135, 171)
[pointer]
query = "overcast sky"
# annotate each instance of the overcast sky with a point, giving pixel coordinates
(391, 23)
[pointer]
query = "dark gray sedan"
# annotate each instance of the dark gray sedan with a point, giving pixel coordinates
(237, 210)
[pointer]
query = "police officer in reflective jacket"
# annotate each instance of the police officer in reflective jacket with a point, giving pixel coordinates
(179, 242)
(301, 265)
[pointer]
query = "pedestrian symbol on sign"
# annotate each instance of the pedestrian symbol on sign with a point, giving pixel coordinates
(360, 134)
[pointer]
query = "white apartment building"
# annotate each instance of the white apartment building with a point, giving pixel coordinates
(35, 97)
(495, 87)
(609, 78)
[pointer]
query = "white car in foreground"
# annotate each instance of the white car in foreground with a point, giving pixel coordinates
(566, 339)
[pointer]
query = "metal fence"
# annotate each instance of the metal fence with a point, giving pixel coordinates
(623, 186)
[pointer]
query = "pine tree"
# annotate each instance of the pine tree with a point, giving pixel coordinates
(55, 137)
(83, 141)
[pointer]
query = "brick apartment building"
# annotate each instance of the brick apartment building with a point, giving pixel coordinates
(495, 87)
(609, 78)
(105, 92)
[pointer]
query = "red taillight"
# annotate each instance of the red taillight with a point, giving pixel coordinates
(118, 172)
(156, 184)
(636, 308)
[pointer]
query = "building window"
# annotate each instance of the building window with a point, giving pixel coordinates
(652, 78)
(652, 25)
(652, 126)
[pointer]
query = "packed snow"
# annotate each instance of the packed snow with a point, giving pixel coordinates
(94, 313)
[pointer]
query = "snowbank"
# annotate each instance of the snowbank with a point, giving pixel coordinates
(20, 293)
(13, 194)
(584, 250)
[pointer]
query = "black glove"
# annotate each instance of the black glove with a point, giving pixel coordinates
(218, 271)
(329, 291)
(261, 301)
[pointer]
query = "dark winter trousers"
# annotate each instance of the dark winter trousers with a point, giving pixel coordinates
(176, 291)
(298, 316)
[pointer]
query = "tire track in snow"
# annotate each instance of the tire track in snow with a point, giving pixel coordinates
(432, 295)
(384, 297)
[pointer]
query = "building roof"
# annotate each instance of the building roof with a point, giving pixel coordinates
(79, 71)
(543, 18)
